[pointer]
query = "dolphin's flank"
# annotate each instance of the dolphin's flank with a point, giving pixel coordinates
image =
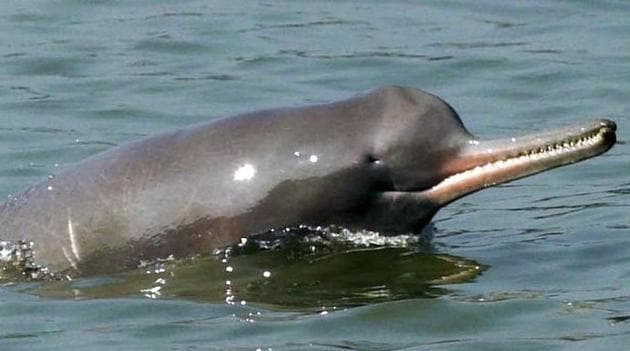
(384, 161)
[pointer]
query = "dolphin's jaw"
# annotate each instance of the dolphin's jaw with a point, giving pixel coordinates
(489, 163)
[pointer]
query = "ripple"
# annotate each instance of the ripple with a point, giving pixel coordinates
(15, 54)
(543, 51)
(46, 130)
(319, 23)
(504, 24)
(30, 93)
(367, 54)
(168, 45)
(216, 76)
(30, 17)
(477, 44)
(68, 67)
(176, 14)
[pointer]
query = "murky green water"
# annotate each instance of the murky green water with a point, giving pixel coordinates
(79, 77)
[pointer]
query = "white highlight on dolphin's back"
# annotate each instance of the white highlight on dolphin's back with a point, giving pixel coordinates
(245, 172)
(73, 240)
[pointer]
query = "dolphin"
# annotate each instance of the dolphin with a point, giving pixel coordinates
(385, 161)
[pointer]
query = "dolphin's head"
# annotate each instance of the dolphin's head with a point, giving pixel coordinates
(423, 147)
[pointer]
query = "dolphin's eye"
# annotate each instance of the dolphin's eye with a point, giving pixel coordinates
(372, 159)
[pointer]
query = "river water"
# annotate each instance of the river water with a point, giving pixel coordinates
(80, 77)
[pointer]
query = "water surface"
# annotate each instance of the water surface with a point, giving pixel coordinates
(80, 77)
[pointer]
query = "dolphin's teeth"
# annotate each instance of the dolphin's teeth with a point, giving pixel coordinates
(553, 150)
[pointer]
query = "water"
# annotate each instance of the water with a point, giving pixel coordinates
(79, 77)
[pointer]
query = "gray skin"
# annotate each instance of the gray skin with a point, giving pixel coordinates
(370, 162)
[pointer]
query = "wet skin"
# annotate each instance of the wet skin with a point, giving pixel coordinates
(385, 161)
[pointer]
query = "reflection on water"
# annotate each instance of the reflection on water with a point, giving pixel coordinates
(108, 72)
(299, 270)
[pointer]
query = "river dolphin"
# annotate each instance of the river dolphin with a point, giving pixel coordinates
(385, 161)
